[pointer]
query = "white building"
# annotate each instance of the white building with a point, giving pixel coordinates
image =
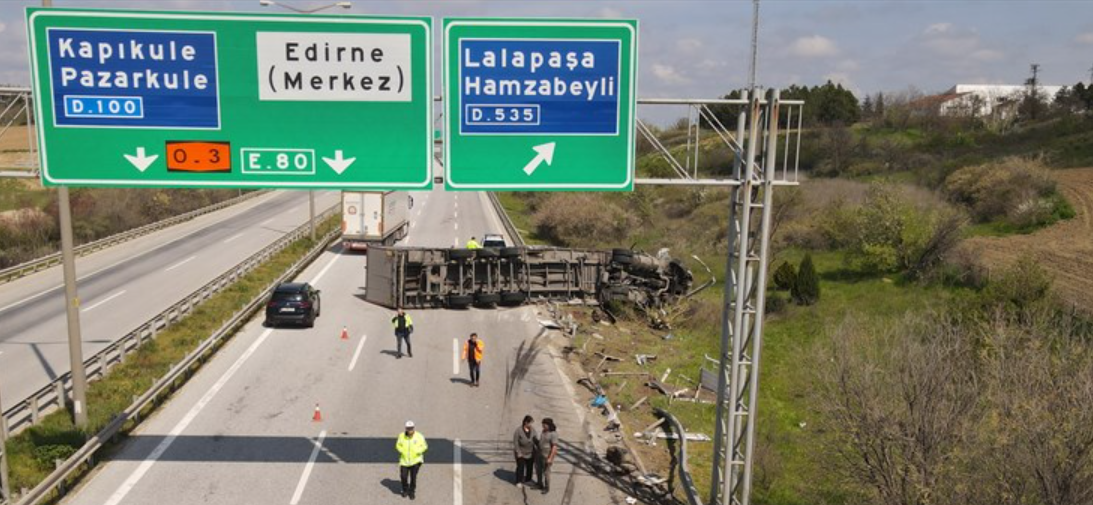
(983, 100)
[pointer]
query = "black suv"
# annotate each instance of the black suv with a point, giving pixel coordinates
(293, 302)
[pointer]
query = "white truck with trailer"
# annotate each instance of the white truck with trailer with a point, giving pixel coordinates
(374, 218)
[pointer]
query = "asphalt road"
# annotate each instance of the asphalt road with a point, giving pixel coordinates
(242, 430)
(124, 286)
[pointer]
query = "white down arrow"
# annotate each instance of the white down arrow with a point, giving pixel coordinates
(338, 163)
(141, 161)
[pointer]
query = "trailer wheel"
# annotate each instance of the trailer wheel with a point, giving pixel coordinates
(486, 252)
(460, 254)
(486, 299)
(622, 252)
(513, 297)
(460, 301)
(510, 252)
(622, 259)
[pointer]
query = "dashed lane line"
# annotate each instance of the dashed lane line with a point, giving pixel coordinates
(104, 300)
(357, 355)
(180, 263)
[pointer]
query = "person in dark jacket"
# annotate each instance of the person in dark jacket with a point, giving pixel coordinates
(403, 326)
(523, 447)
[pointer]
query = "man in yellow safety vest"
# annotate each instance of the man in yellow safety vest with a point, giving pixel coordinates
(473, 244)
(411, 448)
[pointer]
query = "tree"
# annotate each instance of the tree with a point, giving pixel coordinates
(785, 277)
(867, 108)
(806, 290)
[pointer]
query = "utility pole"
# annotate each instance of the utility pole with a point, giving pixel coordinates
(1091, 75)
(72, 304)
(754, 44)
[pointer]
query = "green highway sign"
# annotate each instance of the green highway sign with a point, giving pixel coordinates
(536, 105)
(133, 98)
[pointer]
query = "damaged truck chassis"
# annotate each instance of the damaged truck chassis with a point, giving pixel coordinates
(460, 278)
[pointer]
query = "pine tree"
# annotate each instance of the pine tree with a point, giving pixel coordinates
(785, 277)
(806, 291)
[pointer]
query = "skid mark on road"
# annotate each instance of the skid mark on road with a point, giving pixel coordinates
(525, 356)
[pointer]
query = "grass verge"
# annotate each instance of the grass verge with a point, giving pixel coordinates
(789, 462)
(32, 453)
(518, 211)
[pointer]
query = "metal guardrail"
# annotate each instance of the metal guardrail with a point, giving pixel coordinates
(27, 268)
(684, 472)
(167, 383)
(506, 222)
(30, 411)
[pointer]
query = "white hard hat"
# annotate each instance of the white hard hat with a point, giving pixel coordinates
(409, 424)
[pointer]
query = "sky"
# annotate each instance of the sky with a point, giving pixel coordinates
(701, 49)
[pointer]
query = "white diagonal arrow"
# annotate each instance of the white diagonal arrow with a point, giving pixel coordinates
(338, 163)
(545, 153)
(141, 161)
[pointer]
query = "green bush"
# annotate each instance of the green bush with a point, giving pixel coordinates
(776, 303)
(47, 455)
(889, 233)
(785, 277)
(806, 291)
(1011, 189)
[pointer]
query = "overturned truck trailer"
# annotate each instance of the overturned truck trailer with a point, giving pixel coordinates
(459, 278)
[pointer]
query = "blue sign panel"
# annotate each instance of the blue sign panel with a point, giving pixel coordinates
(535, 86)
(134, 79)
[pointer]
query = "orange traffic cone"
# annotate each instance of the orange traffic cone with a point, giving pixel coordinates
(318, 414)
(345, 333)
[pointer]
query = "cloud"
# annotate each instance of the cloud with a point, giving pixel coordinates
(815, 46)
(848, 66)
(947, 39)
(689, 45)
(988, 55)
(668, 74)
(2, 27)
(610, 13)
(1084, 38)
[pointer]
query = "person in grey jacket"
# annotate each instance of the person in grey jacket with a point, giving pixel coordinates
(523, 447)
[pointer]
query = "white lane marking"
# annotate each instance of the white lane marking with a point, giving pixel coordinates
(455, 242)
(356, 355)
(180, 263)
(324, 270)
(455, 356)
(146, 465)
(108, 267)
(103, 269)
(457, 226)
(457, 474)
(307, 469)
(268, 221)
(104, 300)
(233, 237)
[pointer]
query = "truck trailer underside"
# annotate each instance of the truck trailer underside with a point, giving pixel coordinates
(460, 278)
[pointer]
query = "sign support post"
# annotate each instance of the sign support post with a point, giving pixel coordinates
(72, 311)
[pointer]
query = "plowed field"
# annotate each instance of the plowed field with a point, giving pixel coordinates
(1065, 249)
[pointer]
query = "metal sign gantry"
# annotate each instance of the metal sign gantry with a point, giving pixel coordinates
(756, 172)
